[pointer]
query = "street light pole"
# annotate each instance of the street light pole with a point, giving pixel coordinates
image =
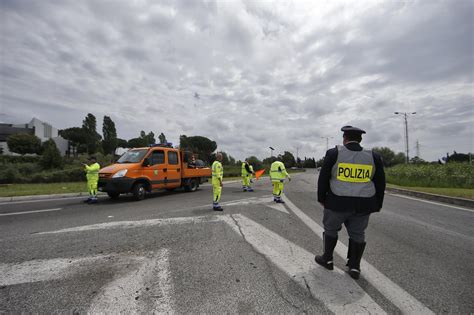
(327, 141)
(271, 151)
(405, 116)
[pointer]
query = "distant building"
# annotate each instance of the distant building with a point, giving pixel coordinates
(36, 127)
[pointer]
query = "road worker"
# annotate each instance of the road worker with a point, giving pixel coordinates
(278, 174)
(92, 175)
(351, 186)
(217, 179)
(247, 172)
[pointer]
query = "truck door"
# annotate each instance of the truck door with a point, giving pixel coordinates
(173, 179)
(157, 168)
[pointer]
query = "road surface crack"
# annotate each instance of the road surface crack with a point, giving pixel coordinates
(270, 268)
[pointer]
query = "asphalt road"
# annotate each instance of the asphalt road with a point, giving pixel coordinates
(172, 253)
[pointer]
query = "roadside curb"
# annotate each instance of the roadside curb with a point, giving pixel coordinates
(45, 197)
(450, 200)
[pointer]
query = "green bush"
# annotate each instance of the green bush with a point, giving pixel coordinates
(28, 168)
(451, 175)
(10, 159)
(9, 174)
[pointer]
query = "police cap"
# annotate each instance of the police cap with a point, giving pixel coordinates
(352, 130)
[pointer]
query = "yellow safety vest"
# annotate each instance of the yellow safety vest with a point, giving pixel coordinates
(217, 171)
(278, 171)
(244, 170)
(92, 171)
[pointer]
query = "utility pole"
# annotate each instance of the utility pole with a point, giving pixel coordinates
(327, 141)
(405, 116)
(418, 148)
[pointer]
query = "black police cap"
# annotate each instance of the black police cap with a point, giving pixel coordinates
(350, 129)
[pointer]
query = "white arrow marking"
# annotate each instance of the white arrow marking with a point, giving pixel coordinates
(393, 292)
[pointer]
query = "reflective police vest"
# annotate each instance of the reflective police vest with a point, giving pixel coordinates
(244, 170)
(352, 173)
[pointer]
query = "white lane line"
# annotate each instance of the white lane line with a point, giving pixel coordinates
(432, 202)
(392, 291)
(41, 200)
(28, 212)
(428, 225)
(336, 290)
(127, 293)
(135, 224)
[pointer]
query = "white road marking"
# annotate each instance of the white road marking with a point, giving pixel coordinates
(279, 207)
(28, 212)
(41, 200)
(42, 270)
(127, 293)
(393, 292)
(432, 202)
(336, 290)
(135, 224)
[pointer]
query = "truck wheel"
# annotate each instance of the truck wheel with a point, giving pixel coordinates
(192, 185)
(113, 195)
(138, 191)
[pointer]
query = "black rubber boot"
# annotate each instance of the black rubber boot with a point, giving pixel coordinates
(326, 260)
(355, 252)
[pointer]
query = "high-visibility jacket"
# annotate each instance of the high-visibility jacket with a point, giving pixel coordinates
(278, 171)
(244, 170)
(351, 175)
(217, 172)
(251, 169)
(92, 171)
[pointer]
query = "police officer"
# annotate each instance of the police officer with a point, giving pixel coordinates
(278, 174)
(247, 172)
(92, 175)
(351, 186)
(217, 178)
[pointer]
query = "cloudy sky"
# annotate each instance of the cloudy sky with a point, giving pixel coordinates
(247, 74)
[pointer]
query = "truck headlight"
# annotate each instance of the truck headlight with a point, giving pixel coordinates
(120, 173)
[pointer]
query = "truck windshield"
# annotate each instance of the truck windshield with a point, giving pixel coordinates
(132, 156)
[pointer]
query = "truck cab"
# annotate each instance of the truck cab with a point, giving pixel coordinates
(143, 170)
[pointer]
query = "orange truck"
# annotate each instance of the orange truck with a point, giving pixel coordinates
(142, 170)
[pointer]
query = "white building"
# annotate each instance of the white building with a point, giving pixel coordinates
(36, 127)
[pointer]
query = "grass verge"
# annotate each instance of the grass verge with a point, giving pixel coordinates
(13, 190)
(466, 193)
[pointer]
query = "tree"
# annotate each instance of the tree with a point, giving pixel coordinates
(76, 137)
(269, 160)
(309, 163)
(89, 124)
(162, 138)
(23, 143)
(202, 146)
(137, 143)
(51, 157)
(389, 157)
(288, 159)
(150, 138)
(255, 162)
(457, 157)
(400, 158)
(122, 143)
(109, 144)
